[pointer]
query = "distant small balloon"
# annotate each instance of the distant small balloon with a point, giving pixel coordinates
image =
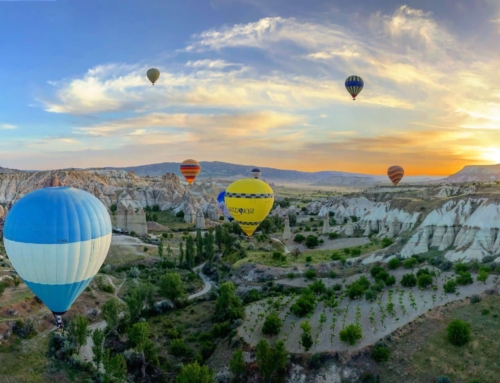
(190, 169)
(256, 173)
(493, 178)
(153, 75)
(395, 174)
(354, 85)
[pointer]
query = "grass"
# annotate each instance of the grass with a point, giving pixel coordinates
(168, 218)
(425, 353)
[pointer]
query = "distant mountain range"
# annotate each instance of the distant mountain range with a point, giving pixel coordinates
(480, 173)
(227, 170)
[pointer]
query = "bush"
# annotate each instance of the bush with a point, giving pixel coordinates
(356, 290)
(450, 287)
(386, 242)
(299, 238)
(446, 265)
(424, 271)
(464, 278)
(336, 256)
(310, 274)
(390, 280)
(409, 280)
(350, 334)
(380, 354)
(424, 281)
(375, 270)
(333, 235)
(378, 287)
(315, 362)
(410, 263)
(305, 304)
(394, 263)
(178, 348)
(337, 287)
(311, 241)
(461, 267)
(355, 252)
(475, 299)
(277, 255)
(272, 324)
(443, 379)
(346, 251)
(333, 274)
(290, 275)
(458, 332)
(318, 287)
(485, 312)
(371, 295)
(309, 259)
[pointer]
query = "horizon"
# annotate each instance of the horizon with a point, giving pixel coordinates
(251, 81)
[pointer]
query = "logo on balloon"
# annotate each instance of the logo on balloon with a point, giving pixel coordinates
(241, 211)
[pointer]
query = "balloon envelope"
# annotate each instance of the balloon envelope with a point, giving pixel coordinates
(153, 75)
(223, 207)
(57, 239)
(190, 169)
(395, 174)
(256, 173)
(354, 85)
(249, 201)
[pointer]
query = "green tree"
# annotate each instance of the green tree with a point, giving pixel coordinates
(409, 280)
(228, 244)
(265, 226)
(194, 373)
(171, 286)
(424, 281)
(228, 305)
(111, 311)
(270, 360)
(292, 218)
(380, 354)
(138, 334)
(350, 334)
(394, 263)
(386, 242)
(305, 304)
(115, 368)
(190, 251)
(138, 299)
(306, 337)
(97, 350)
(356, 290)
(181, 253)
(458, 332)
(482, 276)
(2, 288)
(160, 248)
(299, 238)
(219, 237)
(450, 286)
(272, 324)
(208, 243)
(78, 331)
(410, 263)
(237, 366)
(199, 245)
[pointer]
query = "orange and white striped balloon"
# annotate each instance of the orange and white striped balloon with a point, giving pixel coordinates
(395, 174)
(190, 169)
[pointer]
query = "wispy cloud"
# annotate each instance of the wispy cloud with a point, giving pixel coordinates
(8, 126)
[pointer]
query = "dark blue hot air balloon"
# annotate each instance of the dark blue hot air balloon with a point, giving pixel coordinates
(223, 207)
(354, 85)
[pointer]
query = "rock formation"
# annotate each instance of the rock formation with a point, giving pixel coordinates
(200, 220)
(326, 225)
(190, 214)
(349, 228)
(287, 233)
(131, 218)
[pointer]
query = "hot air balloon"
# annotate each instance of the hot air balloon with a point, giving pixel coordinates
(256, 173)
(57, 239)
(493, 178)
(223, 207)
(153, 75)
(395, 174)
(354, 85)
(249, 201)
(190, 169)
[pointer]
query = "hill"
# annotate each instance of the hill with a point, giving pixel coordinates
(481, 173)
(226, 170)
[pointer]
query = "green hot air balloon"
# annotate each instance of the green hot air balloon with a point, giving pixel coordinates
(153, 75)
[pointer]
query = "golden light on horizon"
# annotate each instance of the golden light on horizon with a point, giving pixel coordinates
(491, 154)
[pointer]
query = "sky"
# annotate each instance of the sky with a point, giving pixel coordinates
(255, 82)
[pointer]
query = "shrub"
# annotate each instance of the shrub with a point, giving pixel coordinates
(375, 270)
(378, 287)
(277, 255)
(458, 332)
(464, 278)
(333, 274)
(450, 286)
(390, 280)
(178, 348)
(350, 334)
(394, 263)
(371, 295)
(485, 312)
(318, 287)
(424, 281)
(386, 242)
(310, 274)
(409, 280)
(446, 265)
(424, 271)
(346, 251)
(356, 290)
(333, 235)
(475, 299)
(309, 259)
(380, 354)
(355, 252)
(336, 256)
(311, 241)
(337, 287)
(272, 324)
(299, 238)
(315, 362)
(461, 267)
(410, 263)
(305, 304)
(290, 275)
(443, 379)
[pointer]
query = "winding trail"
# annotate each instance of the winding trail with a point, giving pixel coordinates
(86, 353)
(277, 240)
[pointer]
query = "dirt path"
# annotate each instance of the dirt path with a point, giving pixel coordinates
(381, 323)
(286, 249)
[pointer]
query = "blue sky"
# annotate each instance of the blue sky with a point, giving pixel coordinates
(251, 82)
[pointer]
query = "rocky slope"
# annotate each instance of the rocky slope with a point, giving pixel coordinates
(481, 173)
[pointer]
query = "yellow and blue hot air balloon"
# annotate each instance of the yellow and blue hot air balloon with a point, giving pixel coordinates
(57, 239)
(354, 85)
(249, 201)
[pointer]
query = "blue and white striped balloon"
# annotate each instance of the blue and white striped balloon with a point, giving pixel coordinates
(57, 239)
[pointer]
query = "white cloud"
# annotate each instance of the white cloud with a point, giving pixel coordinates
(211, 64)
(7, 126)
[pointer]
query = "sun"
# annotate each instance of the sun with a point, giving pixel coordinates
(491, 155)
